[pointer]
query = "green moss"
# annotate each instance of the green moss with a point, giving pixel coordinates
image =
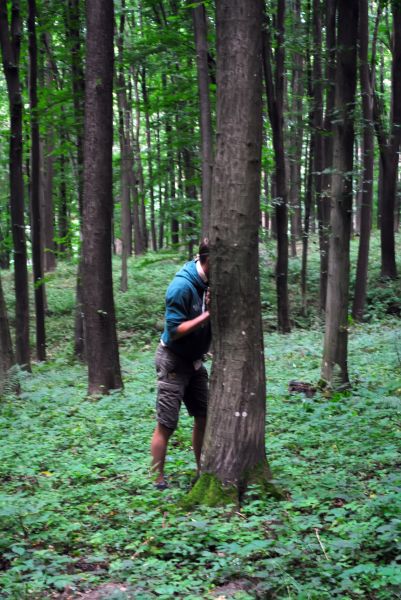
(261, 475)
(210, 491)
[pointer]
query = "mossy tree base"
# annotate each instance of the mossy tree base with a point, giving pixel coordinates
(210, 491)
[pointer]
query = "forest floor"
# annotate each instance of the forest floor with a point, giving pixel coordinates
(80, 518)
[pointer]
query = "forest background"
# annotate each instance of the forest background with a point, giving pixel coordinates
(78, 508)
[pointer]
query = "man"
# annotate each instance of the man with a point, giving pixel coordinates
(181, 376)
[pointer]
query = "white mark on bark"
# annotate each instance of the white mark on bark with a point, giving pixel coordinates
(244, 414)
(237, 414)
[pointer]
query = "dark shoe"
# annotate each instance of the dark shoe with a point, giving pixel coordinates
(162, 485)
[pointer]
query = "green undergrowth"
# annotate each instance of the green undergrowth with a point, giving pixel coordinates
(78, 508)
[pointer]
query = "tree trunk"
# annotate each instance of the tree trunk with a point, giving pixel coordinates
(200, 29)
(139, 170)
(335, 359)
(101, 338)
(47, 211)
(145, 98)
(317, 122)
(6, 350)
(10, 46)
(39, 285)
(389, 152)
(327, 164)
(124, 132)
(305, 236)
(234, 448)
(368, 162)
(275, 98)
(296, 132)
(47, 170)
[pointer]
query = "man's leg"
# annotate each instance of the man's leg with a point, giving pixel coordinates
(158, 448)
(197, 438)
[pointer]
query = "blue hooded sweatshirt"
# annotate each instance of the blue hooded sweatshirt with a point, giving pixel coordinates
(184, 300)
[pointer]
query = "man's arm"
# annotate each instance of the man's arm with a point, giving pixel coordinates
(187, 327)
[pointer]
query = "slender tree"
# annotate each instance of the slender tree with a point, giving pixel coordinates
(327, 163)
(389, 144)
(101, 338)
(10, 40)
(275, 102)
(200, 29)
(335, 353)
(234, 447)
(368, 163)
(39, 285)
(125, 153)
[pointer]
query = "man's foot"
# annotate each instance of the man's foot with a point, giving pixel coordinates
(161, 485)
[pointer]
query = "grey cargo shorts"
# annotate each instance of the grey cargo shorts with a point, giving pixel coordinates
(177, 381)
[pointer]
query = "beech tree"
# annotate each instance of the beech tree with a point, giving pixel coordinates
(101, 338)
(234, 448)
(335, 359)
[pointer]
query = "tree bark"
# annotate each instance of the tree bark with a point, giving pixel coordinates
(335, 359)
(10, 45)
(200, 29)
(368, 162)
(101, 338)
(234, 449)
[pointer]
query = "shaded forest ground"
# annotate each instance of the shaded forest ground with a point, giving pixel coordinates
(77, 505)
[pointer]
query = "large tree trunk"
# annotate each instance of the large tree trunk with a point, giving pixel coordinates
(335, 359)
(275, 101)
(39, 284)
(368, 162)
(200, 28)
(10, 46)
(234, 448)
(101, 338)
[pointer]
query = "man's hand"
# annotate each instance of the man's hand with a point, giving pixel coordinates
(207, 299)
(187, 327)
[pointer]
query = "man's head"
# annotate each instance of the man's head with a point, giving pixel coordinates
(204, 255)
